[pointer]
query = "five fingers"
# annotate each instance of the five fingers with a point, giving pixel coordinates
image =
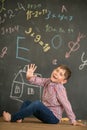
(32, 66)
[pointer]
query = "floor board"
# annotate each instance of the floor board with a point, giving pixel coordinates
(35, 124)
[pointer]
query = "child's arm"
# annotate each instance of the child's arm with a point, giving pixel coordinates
(63, 99)
(30, 71)
(34, 79)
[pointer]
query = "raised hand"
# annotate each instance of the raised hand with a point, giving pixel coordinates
(30, 70)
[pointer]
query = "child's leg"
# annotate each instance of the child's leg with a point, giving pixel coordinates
(44, 114)
(7, 115)
(24, 105)
(37, 109)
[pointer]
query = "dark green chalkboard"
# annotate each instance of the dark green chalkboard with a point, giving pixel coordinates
(47, 33)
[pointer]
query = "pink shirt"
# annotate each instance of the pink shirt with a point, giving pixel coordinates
(54, 97)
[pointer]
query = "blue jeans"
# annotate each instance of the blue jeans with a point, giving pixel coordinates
(36, 108)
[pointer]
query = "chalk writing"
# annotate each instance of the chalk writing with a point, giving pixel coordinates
(35, 14)
(63, 9)
(20, 7)
(74, 46)
(34, 6)
(37, 39)
(19, 48)
(49, 28)
(2, 20)
(70, 30)
(54, 61)
(3, 52)
(2, 8)
(59, 16)
(9, 30)
(20, 86)
(11, 13)
(28, 6)
(84, 62)
(56, 41)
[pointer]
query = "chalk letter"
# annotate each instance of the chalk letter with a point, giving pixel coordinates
(21, 48)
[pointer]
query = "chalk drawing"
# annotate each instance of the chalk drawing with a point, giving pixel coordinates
(19, 85)
(74, 46)
(84, 62)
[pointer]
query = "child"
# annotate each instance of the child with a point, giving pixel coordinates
(54, 98)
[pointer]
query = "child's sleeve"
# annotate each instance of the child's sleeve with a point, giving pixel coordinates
(63, 99)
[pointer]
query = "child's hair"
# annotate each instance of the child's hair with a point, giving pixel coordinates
(67, 71)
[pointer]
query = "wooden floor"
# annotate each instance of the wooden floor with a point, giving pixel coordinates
(35, 124)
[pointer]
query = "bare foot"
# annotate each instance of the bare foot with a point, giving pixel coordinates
(19, 121)
(6, 116)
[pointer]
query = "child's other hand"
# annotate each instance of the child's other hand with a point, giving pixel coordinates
(78, 124)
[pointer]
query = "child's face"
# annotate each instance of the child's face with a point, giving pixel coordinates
(58, 76)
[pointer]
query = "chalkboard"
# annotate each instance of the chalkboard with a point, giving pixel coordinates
(47, 33)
